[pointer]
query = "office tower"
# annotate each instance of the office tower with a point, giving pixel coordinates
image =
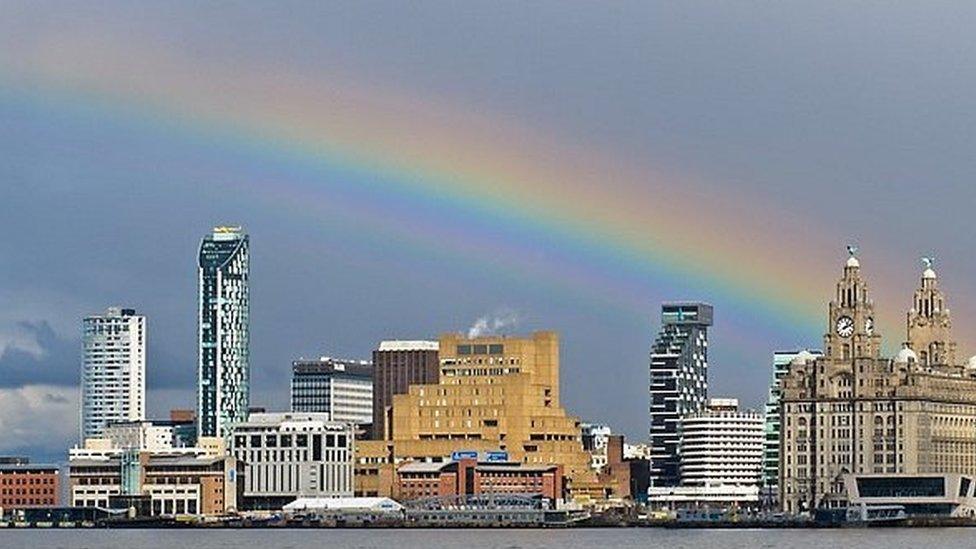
(224, 367)
(343, 389)
(679, 381)
(293, 455)
(781, 365)
(113, 375)
(854, 415)
(396, 366)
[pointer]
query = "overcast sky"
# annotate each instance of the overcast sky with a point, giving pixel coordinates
(852, 120)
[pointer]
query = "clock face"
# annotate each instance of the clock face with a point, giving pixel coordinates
(869, 326)
(845, 326)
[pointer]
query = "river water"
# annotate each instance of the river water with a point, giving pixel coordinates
(644, 538)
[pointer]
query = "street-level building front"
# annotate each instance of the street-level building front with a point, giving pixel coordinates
(170, 484)
(25, 485)
(292, 455)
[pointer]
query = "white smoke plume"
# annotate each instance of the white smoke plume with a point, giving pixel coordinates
(492, 324)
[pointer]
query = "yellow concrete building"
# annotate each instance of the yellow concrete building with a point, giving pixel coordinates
(494, 394)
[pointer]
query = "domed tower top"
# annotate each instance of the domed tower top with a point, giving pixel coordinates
(852, 262)
(929, 322)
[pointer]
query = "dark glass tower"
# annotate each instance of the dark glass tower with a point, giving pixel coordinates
(679, 382)
(223, 331)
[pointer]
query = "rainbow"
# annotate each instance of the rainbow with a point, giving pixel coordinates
(485, 185)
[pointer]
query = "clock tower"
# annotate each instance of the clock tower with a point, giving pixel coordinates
(851, 332)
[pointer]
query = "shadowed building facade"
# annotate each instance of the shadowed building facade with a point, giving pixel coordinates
(396, 366)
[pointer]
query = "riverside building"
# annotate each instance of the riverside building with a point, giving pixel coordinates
(224, 333)
(113, 373)
(26, 485)
(678, 382)
(292, 455)
(343, 389)
(852, 412)
(721, 458)
(156, 483)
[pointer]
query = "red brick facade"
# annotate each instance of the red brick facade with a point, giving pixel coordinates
(468, 477)
(27, 486)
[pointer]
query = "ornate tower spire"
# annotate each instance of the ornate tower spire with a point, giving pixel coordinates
(850, 329)
(929, 322)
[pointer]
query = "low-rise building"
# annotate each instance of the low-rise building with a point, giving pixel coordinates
(24, 485)
(923, 495)
(594, 437)
(143, 435)
(471, 476)
(292, 455)
(170, 483)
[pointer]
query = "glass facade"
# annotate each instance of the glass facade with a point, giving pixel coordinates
(678, 382)
(224, 334)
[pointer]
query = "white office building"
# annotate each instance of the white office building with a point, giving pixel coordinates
(292, 455)
(113, 374)
(720, 458)
(722, 445)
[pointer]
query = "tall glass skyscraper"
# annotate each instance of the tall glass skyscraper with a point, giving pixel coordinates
(113, 371)
(223, 331)
(679, 382)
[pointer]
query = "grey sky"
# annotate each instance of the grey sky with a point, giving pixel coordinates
(858, 117)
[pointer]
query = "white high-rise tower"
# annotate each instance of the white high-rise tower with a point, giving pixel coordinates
(113, 376)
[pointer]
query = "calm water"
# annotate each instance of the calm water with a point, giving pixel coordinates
(491, 539)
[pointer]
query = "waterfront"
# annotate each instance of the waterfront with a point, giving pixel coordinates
(887, 538)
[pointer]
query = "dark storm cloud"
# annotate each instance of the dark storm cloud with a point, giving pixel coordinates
(59, 362)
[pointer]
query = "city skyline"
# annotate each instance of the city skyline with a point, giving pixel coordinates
(460, 168)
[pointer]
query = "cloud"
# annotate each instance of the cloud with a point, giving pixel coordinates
(494, 323)
(21, 337)
(35, 354)
(38, 420)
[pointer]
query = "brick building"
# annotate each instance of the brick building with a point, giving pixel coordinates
(468, 476)
(24, 485)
